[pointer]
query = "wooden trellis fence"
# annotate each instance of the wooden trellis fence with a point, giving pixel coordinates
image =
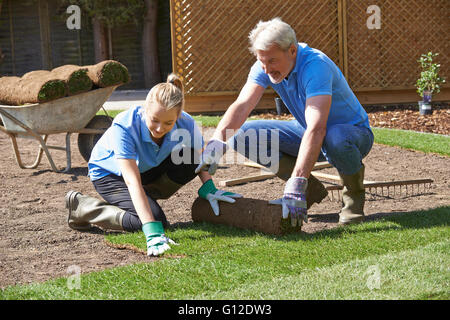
(210, 44)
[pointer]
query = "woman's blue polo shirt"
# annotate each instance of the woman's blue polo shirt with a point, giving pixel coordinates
(129, 138)
(314, 74)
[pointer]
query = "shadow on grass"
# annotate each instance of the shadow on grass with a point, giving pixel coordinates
(398, 220)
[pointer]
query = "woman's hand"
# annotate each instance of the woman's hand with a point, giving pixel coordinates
(209, 192)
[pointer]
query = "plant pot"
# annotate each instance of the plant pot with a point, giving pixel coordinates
(281, 107)
(427, 96)
(425, 108)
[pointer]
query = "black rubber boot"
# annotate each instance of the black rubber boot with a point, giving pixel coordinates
(86, 212)
(353, 198)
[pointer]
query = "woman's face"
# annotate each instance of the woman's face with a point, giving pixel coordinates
(160, 121)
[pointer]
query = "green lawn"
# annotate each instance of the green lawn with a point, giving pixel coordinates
(426, 142)
(404, 256)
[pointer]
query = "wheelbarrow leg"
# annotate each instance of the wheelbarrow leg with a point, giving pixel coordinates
(47, 153)
(45, 147)
(18, 157)
(68, 153)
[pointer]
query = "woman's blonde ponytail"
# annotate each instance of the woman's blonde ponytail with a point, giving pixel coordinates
(176, 81)
(167, 95)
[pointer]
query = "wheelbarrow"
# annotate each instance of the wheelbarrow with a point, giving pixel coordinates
(73, 114)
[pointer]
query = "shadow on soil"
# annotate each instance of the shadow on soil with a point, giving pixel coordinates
(74, 172)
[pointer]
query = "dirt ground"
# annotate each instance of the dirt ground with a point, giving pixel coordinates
(36, 243)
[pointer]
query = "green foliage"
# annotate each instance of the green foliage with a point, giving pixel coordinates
(429, 77)
(111, 12)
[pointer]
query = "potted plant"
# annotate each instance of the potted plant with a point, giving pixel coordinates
(429, 81)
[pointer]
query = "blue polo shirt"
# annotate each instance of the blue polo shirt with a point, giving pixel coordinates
(129, 138)
(314, 74)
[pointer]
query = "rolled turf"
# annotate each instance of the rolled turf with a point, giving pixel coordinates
(76, 77)
(245, 213)
(108, 73)
(37, 88)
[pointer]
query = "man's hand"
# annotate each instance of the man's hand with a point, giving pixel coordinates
(157, 242)
(211, 156)
(209, 192)
(293, 201)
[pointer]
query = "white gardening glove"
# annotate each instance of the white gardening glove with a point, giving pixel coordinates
(293, 201)
(211, 156)
(157, 242)
(209, 192)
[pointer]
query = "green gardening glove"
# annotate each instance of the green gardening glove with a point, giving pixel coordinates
(157, 242)
(209, 192)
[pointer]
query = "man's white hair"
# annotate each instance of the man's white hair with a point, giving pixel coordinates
(267, 33)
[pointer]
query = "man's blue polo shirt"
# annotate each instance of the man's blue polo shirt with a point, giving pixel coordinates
(315, 74)
(129, 138)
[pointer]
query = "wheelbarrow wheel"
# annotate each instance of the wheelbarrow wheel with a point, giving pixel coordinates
(86, 142)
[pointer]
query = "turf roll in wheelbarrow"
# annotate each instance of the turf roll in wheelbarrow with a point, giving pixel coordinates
(75, 77)
(17, 91)
(245, 213)
(108, 73)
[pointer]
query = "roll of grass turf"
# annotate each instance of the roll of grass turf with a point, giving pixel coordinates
(108, 73)
(245, 213)
(31, 89)
(76, 77)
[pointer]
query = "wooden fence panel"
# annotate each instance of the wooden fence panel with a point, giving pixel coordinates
(19, 38)
(386, 58)
(210, 38)
(209, 42)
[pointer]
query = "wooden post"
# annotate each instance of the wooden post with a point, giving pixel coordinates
(11, 32)
(344, 39)
(152, 75)
(100, 40)
(44, 25)
(2, 56)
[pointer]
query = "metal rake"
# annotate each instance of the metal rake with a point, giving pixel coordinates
(387, 189)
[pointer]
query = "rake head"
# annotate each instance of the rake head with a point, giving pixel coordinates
(387, 190)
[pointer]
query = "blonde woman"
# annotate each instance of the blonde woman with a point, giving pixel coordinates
(147, 154)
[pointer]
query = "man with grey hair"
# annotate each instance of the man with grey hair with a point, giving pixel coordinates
(330, 123)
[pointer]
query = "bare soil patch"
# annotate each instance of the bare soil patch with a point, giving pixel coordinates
(36, 243)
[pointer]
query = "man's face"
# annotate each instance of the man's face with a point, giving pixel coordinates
(276, 63)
